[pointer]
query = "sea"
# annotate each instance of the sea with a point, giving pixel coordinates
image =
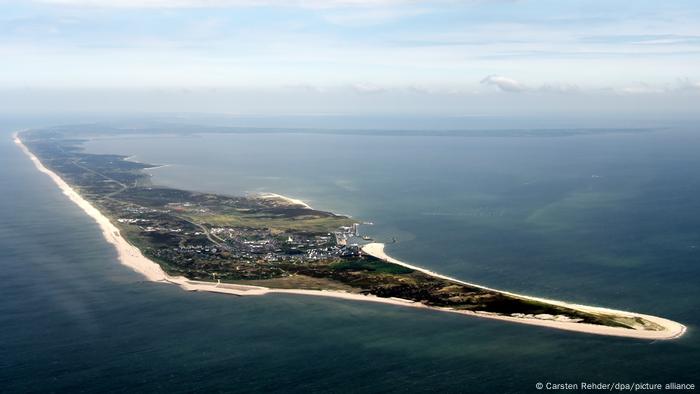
(605, 216)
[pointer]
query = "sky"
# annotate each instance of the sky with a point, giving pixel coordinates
(457, 58)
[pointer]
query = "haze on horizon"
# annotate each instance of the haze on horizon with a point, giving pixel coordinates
(351, 57)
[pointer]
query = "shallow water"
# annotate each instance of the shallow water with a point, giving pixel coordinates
(610, 220)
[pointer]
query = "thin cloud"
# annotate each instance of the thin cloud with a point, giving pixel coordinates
(364, 17)
(224, 3)
(563, 88)
(504, 83)
(642, 88)
(368, 88)
(688, 85)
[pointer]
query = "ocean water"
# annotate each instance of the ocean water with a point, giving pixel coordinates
(605, 219)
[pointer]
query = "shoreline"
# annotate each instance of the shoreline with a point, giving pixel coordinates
(289, 200)
(130, 256)
(672, 329)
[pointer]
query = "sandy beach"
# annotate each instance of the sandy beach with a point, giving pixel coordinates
(275, 196)
(672, 329)
(132, 257)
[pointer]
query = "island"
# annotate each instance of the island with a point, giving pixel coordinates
(268, 243)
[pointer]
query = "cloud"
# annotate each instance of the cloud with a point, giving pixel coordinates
(365, 17)
(642, 88)
(504, 83)
(513, 86)
(644, 39)
(225, 3)
(559, 88)
(367, 88)
(685, 84)
(682, 85)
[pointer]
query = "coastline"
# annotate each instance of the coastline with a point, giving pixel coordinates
(672, 329)
(289, 200)
(132, 257)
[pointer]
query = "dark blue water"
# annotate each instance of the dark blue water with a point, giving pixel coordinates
(612, 220)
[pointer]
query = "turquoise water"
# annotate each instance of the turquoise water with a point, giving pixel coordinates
(610, 220)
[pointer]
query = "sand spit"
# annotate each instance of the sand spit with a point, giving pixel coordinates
(132, 257)
(671, 329)
(275, 196)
